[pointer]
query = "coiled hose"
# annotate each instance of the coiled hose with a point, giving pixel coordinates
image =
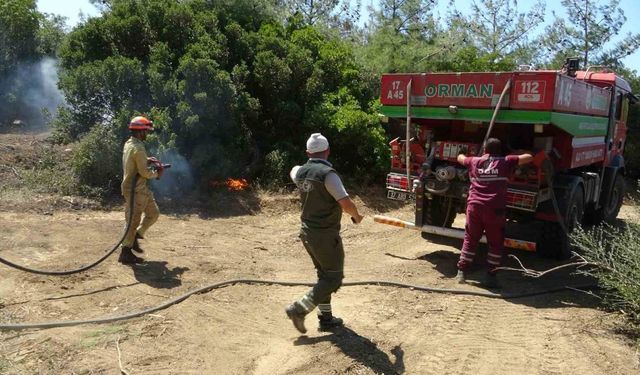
(88, 266)
(208, 288)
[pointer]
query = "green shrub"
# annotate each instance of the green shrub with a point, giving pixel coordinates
(632, 154)
(97, 162)
(617, 252)
(58, 180)
(357, 139)
(632, 144)
(51, 173)
(228, 85)
(65, 127)
(276, 168)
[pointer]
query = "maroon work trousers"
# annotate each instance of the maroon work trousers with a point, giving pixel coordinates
(490, 221)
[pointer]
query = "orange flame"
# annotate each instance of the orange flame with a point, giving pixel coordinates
(237, 184)
(232, 184)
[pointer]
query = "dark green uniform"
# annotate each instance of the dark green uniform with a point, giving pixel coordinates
(320, 232)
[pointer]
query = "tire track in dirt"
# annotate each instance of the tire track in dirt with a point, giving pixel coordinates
(582, 341)
(453, 319)
(483, 336)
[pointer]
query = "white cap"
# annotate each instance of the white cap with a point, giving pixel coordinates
(317, 143)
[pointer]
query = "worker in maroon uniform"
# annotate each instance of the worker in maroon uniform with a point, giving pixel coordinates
(486, 205)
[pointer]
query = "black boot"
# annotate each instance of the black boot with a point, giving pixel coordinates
(136, 246)
(490, 281)
(297, 317)
(328, 322)
(127, 257)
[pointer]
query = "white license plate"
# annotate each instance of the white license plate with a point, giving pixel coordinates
(397, 195)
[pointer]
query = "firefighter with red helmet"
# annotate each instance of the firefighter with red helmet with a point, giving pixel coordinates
(136, 163)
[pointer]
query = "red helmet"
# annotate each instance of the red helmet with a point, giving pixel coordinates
(140, 123)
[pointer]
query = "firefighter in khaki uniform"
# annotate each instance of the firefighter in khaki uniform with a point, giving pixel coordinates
(135, 162)
(323, 201)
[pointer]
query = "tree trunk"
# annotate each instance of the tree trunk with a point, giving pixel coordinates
(586, 34)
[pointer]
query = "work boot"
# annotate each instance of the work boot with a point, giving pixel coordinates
(490, 281)
(461, 277)
(127, 257)
(297, 317)
(328, 322)
(136, 246)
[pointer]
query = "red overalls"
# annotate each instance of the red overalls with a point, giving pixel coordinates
(486, 207)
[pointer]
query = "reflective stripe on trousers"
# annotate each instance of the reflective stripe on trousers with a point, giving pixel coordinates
(488, 221)
(327, 254)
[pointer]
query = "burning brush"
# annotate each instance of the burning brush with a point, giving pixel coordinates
(232, 184)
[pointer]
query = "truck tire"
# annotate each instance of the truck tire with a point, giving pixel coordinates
(553, 241)
(592, 216)
(438, 212)
(612, 206)
(610, 209)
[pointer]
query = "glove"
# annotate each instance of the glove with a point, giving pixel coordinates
(539, 158)
(156, 165)
(160, 171)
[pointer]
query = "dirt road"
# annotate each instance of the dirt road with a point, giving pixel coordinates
(242, 329)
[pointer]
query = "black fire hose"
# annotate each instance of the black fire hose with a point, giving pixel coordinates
(210, 287)
(88, 266)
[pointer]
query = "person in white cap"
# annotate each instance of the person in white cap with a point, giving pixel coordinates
(324, 198)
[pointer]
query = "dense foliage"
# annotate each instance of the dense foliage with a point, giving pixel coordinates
(235, 87)
(231, 88)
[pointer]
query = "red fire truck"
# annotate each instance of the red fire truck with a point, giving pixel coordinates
(577, 117)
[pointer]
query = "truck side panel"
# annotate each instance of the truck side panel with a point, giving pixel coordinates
(475, 90)
(533, 91)
(577, 96)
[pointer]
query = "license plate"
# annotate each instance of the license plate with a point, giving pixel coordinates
(397, 195)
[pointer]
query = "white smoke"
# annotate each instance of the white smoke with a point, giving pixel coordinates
(177, 180)
(37, 97)
(44, 93)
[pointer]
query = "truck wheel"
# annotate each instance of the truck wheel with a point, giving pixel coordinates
(553, 241)
(439, 212)
(592, 216)
(434, 212)
(611, 208)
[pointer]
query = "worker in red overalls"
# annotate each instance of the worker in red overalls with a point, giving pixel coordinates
(486, 205)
